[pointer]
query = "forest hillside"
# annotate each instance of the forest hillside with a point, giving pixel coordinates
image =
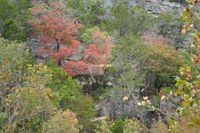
(99, 66)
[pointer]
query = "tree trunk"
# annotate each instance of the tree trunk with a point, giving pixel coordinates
(57, 51)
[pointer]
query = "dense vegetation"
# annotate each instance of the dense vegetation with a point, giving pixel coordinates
(84, 66)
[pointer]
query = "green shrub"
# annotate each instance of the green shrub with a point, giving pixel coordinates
(87, 12)
(29, 105)
(13, 20)
(125, 20)
(62, 122)
(14, 58)
(170, 26)
(71, 97)
(118, 126)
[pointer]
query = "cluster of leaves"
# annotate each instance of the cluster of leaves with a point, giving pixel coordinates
(161, 60)
(29, 107)
(139, 70)
(55, 28)
(188, 84)
(71, 96)
(125, 19)
(59, 36)
(121, 125)
(31, 104)
(62, 122)
(186, 116)
(32, 94)
(154, 65)
(89, 13)
(98, 50)
(95, 56)
(13, 19)
(170, 26)
(13, 59)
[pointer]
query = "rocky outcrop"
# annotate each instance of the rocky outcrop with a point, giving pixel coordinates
(154, 6)
(160, 6)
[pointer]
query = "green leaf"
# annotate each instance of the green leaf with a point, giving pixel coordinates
(186, 104)
(180, 83)
(180, 92)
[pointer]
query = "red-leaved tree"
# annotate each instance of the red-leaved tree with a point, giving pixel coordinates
(95, 56)
(58, 34)
(57, 31)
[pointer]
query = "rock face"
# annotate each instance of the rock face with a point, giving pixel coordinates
(154, 6)
(34, 45)
(160, 6)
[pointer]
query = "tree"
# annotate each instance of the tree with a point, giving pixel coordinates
(125, 19)
(28, 106)
(71, 97)
(95, 56)
(138, 70)
(13, 59)
(170, 26)
(87, 12)
(148, 61)
(62, 122)
(58, 32)
(13, 20)
(188, 82)
(186, 114)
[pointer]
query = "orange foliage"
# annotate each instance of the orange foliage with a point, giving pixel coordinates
(58, 37)
(54, 26)
(74, 68)
(197, 60)
(100, 51)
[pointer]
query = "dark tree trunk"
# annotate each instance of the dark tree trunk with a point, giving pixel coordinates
(57, 49)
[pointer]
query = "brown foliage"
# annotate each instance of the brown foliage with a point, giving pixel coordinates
(152, 38)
